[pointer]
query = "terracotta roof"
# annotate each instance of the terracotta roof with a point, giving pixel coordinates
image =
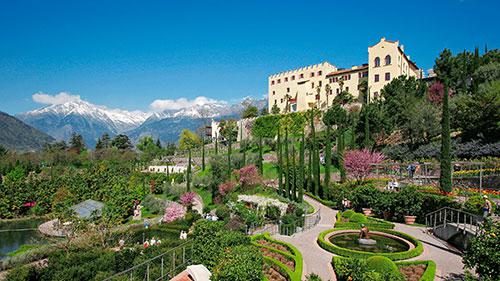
(363, 67)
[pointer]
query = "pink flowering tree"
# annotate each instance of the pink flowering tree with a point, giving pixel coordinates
(187, 199)
(358, 163)
(249, 177)
(173, 212)
(435, 93)
(226, 188)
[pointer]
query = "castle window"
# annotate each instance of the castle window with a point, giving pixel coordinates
(275, 101)
(272, 82)
(288, 90)
(312, 85)
(279, 81)
(286, 79)
(387, 76)
(376, 78)
(274, 93)
(338, 90)
(319, 83)
(387, 60)
(293, 77)
(312, 74)
(347, 89)
(281, 100)
(302, 75)
(320, 73)
(377, 62)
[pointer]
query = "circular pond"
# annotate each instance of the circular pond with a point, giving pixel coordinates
(384, 243)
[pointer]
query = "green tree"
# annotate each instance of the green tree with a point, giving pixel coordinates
(280, 164)
(287, 166)
(103, 142)
(275, 109)
(149, 148)
(302, 175)
(229, 130)
(76, 142)
(443, 69)
(188, 140)
(264, 111)
(3, 150)
(338, 116)
(121, 142)
(250, 111)
(483, 254)
(261, 157)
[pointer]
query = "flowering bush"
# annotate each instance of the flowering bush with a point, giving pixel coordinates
(227, 187)
(249, 177)
(173, 212)
(187, 198)
(358, 162)
(436, 91)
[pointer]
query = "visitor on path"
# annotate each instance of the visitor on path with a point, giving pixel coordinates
(121, 243)
(344, 204)
(487, 208)
(153, 241)
(411, 170)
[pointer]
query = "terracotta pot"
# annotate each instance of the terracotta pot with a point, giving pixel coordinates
(388, 215)
(410, 219)
(367, 211)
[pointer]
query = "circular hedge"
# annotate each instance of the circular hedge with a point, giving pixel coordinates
(348, 213)
(359, 218)
(381, 265)
(330, 247)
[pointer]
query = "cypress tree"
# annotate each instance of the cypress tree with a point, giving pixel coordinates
(328, 157)
(280, 165)
(188, 172)
(216, 144)
(203, 152)
(293, 176)
(340, 155)
(242, 146)
(229, 149)
(315, 157)
(445, 175)
(287, 168)
(261, 163)
(301, 176)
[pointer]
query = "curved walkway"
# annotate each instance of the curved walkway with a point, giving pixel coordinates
(316, 260)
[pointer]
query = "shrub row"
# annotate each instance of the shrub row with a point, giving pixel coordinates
(328, 246)
(371, 222)
(297, 256)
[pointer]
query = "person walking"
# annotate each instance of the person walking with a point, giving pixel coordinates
(487, 207)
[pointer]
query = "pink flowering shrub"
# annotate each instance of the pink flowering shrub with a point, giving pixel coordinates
(227, 187)
(173, 212)
(187, 199)
(435, 92)
(358, 162)
(249, 177)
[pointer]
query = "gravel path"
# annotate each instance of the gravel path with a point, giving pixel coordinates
(316, 260)
(448, 260)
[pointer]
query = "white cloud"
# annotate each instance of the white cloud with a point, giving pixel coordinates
(159, 105)
(60, 98)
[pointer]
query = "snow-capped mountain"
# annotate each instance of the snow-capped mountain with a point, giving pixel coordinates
(91, 121)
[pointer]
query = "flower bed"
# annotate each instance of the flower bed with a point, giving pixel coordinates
(412, 270)
(279, 258)
(327, 245)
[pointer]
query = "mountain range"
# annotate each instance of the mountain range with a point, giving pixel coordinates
(17, 135)
(91, 121)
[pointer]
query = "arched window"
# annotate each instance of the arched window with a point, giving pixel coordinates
(377, 62)
(387, 60)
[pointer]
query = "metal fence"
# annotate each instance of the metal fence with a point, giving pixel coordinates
(162, 267)
(286, 228)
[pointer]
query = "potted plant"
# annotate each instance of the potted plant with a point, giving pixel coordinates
(409, 202)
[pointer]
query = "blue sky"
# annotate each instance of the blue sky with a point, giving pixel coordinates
(127, 54)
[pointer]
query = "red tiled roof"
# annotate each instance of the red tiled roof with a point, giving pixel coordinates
(363, 67)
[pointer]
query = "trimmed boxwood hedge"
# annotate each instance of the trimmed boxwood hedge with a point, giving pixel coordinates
(428, 275)
(296, 257)
(327, 203)
(430, 270)
(327, 245)
(371, 223)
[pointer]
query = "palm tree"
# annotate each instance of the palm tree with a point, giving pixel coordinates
(327, 90)
(287, 98)
(318, 90)
(341, 83)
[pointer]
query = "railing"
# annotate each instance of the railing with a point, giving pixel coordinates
(162, 267)
(463, 221)
(288, 229)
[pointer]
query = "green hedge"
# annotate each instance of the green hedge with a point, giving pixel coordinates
(327, 203)
(371, 223)
(296, 256)
(430, 270)
(327, 245)
(428, 275)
